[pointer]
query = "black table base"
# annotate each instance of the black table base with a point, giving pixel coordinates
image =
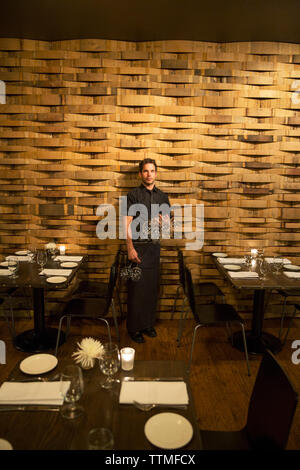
(257, 344)
(31, 341)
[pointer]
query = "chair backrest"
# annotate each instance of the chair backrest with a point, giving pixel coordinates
(190, 292)
(272, 406)
(181, 268)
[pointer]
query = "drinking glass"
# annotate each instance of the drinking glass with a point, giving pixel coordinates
(12, 266)
(41, 259)
(109, 363)
(71, 394)
(100, 439)
(277, 264)
(263, 269)
(248, 259)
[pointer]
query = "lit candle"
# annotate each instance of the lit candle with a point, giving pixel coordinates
(254, 252)
(62, 249)
(127, 358)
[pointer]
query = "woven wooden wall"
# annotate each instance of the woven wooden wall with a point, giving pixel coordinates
(221, 120)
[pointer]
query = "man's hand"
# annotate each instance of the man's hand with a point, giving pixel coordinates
(133, 256)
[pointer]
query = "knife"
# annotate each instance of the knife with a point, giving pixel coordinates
(153, 379)
(28, 408)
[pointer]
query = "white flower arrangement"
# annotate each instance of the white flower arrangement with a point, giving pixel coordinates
(89, 350)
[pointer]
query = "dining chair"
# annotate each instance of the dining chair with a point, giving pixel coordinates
(270, 413)
(201, 289)
(10, 297)
(98, 289)
(285, 293)
(92, 307)
(212, 315)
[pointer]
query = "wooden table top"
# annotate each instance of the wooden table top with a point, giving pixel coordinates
(50, 431)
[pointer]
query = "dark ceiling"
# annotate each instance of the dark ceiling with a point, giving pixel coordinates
(152, 20)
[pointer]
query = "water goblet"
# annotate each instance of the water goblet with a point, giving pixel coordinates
(263, 269)
(277, 264)
(248, 259)
(12, 266)
(41, 259)
(71, 394)
(109, 363)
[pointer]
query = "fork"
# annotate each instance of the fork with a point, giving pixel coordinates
(150, 406)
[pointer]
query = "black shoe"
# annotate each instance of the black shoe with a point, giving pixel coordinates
(150, 332)
(137, 337)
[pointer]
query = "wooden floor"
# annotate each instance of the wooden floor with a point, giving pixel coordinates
(220, 384)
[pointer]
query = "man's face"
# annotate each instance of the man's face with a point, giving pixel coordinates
(148, 174)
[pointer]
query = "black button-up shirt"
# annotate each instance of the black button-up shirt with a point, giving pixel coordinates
(142, 195)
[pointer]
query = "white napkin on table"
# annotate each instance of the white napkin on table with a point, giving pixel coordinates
(19, 258)
(5, 272)
(164, 393)
(231, 260)
(278, 260)
(56, 272)
(292, 274)
(243, 274)
(32, 393)
(68, 258)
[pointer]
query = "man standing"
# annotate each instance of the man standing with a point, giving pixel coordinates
(145, 251)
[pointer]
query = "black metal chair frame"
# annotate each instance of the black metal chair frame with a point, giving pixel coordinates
(271, 410)
(201, 286)
(109, 304)
(226, 321)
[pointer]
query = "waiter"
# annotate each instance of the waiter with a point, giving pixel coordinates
(144, 250)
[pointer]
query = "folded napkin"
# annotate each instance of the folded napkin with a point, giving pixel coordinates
(231, 260)
(19, 258)
(292, 274)
(278, 260)
(32, 393)
(243, 274)
(68, 258)
(56, 272)
(164, 393)
(5, 272)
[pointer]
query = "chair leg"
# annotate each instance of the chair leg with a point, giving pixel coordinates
(192, 348)
(282, 317)
(115, 319)
(175, 301)
(229, 332)
(58, 333)
(107, 326)
(181, 323)
(11, 322)
(245, 347)
(288, 330)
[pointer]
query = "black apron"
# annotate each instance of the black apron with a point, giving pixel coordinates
(143, 294)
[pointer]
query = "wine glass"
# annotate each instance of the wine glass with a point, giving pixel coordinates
(109, 363)
(12, 266)
(41, 259)
(263, 269)
(71, 394)
(277, 264)
(248, 260)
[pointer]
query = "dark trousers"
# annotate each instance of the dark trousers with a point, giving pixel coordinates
(143, 294)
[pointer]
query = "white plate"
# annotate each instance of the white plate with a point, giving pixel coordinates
(56, 279)
(232, 267)
(69, 264)
(38, 364)
(292, 267)
(5, 263)
(220, 255)
(5, 445)
(168, 430)
(22, 253)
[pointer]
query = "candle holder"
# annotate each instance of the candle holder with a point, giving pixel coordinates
(127, 358)
(62, 250)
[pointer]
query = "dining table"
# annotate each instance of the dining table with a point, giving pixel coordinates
(257, 339)
(40, 338)
(34, 429)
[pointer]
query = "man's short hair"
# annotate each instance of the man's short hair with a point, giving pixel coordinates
(145, 161)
